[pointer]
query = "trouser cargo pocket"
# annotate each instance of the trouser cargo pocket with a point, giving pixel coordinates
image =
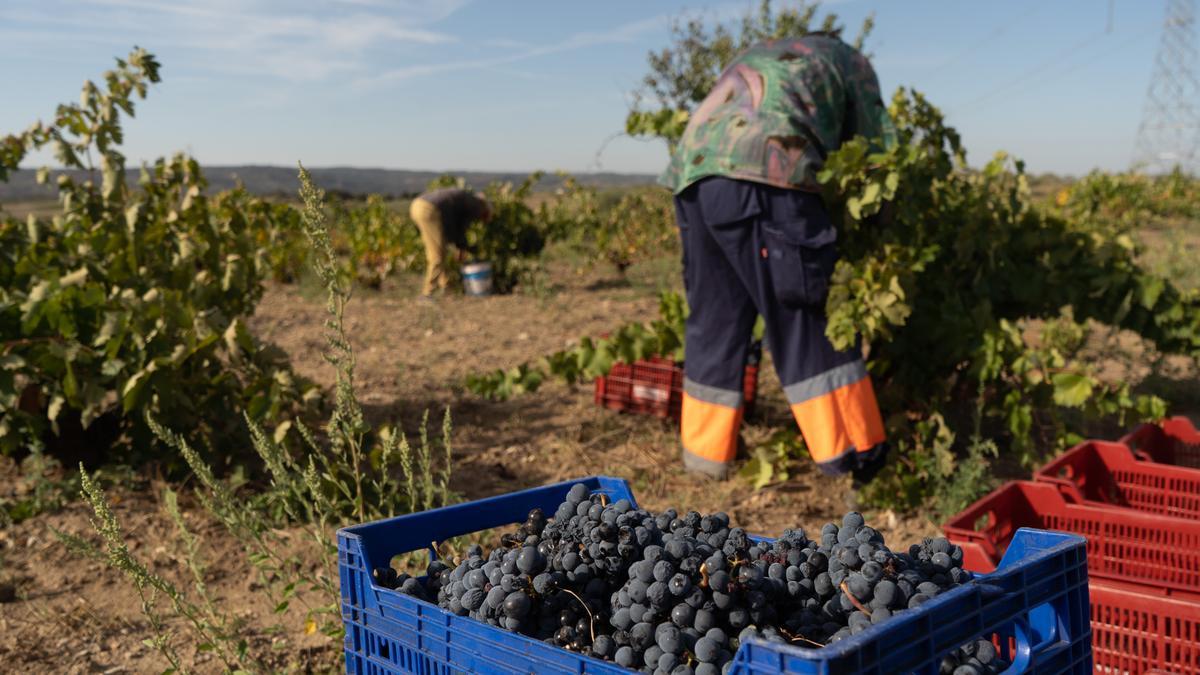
(799, 269)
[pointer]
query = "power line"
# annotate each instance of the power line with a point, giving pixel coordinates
(1035, 71)
(1034, 79)
(992, 35)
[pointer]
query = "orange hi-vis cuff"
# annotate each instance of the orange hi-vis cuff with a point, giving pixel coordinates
(837, 413)
(709, 427)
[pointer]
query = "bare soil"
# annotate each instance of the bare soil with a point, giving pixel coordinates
(78, 616)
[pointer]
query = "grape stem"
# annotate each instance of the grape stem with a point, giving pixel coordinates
(853, 600)
(591, 619)
(801, 638)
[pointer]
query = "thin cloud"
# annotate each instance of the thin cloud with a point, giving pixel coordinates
(293, 41)
(626, 32)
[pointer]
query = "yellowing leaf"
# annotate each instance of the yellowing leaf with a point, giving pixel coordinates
(310, 626)
(1072, 389)
(74, 278)
(282, 429)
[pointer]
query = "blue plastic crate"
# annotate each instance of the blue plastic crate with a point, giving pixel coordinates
(1035, 605)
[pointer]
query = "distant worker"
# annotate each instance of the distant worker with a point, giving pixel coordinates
(757, 239)
(443, 216)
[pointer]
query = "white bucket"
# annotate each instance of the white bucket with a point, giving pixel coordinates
(477, 278)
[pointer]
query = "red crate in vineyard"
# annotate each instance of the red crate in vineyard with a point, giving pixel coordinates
(1174, 441)
(654, 386)
(1143, 572)
(1135, 632)
(1160, 554)
(1108, 475)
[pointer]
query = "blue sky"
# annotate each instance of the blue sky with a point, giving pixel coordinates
(521, 85)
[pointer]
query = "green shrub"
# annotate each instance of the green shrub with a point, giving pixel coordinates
(377, 241)
(347, 473)
(132, 298)
(621, 231)
(945, 289)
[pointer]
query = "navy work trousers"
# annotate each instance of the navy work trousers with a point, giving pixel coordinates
(753, 249)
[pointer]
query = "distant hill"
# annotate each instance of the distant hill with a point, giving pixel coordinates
(278, 180)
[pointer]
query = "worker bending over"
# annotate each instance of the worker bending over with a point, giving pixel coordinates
(757, 239)
(443, 216)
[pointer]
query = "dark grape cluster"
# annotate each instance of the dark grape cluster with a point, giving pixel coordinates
(672, 593)
(974, 658)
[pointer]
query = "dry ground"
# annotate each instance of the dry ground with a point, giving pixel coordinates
(76, 616)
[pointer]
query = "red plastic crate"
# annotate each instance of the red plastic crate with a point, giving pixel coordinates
(1160, 554)
(1174, 441)
(654, 386)
(1135, 632)
(1107, 474)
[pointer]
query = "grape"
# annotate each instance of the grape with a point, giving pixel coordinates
(652, 654)
(679, 585)
(859, 586)
(657, 594)
(666, 592)
(624, 657)
(621, 619)
(683, 615)
(641, 635)
(637, 590)
(473, 599)
(663, 570)
(707, 649)
(669, 640)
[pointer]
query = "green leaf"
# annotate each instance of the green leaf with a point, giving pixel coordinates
(112, 321)
(871, 194)
(1072, 389)
(131, 393)
(37, 295)
(891, 182)
(111, 367)
(70, 384)
(854, 206)
(758, 471)
(1152, 288)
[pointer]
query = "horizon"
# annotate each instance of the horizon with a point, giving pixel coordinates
(418, 85)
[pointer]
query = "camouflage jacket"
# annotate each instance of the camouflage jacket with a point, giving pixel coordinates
(777, 111)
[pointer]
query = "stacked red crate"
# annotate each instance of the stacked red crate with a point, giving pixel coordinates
(1142, 522)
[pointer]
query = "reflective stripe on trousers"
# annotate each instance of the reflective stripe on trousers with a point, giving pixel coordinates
(709, 426)
(838, 416)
